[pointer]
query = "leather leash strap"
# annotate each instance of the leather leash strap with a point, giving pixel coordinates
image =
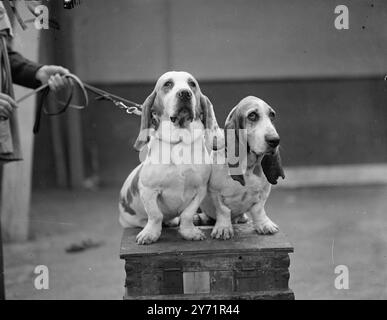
(129, 106)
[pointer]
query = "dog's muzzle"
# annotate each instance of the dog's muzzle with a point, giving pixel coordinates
(184, 111)
(272, 143)
(184, 95)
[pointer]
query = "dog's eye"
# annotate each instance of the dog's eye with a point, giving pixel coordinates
(253, 116)
(192, 84)
(168, 84)
(272, 115)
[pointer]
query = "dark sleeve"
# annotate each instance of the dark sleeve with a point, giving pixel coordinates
(23, 70)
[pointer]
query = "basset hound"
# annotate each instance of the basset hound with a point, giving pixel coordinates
(178, 128)
(244, 170)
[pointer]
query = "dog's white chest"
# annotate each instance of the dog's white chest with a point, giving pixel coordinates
(176, 185)
(176, 172)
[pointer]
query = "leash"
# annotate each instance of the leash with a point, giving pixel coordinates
(130, 107)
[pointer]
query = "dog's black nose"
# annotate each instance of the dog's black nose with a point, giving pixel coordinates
(272, 141)
(184, 95)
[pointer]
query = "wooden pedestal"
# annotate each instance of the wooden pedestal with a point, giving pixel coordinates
(249, 266)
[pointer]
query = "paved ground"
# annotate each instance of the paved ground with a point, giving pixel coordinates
(327, 226)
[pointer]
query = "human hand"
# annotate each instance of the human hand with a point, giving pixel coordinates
(7, 105)
(53, 75)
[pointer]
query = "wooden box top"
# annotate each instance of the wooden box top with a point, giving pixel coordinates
(245, 240)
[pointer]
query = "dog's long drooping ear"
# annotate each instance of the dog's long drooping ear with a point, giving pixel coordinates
(214, 136)
(146, 122)
(236, 146)
(272, 167)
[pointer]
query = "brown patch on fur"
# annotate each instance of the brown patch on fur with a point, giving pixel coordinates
(126, 206)
(132, 191)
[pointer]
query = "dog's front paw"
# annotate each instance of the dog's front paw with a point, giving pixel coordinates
(222, 231)
(192, 233)
(266, 227)
(148, 236)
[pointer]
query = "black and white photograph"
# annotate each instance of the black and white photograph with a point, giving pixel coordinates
(169, 150)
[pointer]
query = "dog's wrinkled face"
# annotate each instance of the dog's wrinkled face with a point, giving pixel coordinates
(262, 137)
(256, 116)
(253, 118)
(177, 98)
(178, 103)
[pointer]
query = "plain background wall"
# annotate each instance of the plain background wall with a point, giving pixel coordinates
(136, 40)
(326, 85)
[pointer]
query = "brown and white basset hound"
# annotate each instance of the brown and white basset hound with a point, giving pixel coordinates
(178, 127)
(241, 181)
